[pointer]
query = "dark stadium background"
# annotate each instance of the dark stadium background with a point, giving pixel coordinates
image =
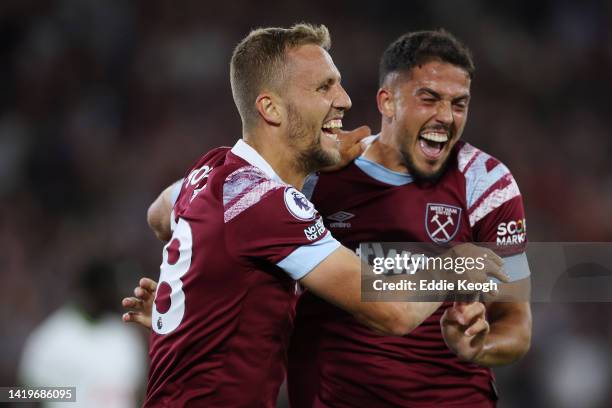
(104, 103)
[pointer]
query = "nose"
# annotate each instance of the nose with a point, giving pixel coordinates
(444, 113)
(342, 100)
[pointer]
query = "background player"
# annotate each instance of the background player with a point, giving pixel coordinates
(241, 233)
(83, 345)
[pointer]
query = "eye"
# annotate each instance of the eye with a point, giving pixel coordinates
(461, 106)
(323, 88)
(429, 100)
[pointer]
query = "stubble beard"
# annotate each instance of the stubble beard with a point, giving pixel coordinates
(419, 176)
(313, 157)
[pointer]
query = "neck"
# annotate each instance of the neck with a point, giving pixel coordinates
(384, 151)
(274, 151)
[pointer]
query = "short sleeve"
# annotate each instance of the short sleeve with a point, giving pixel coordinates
(275, 222)
(495, 208)
(175, 190)
(506, 226)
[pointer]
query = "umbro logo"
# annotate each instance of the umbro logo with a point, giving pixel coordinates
(340, 217)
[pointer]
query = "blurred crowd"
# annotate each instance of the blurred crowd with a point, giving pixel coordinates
(104, 103)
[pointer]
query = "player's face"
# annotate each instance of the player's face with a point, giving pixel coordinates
(431, 108)
(315, 104)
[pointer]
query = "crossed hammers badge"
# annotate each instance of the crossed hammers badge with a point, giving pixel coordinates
(442, 221)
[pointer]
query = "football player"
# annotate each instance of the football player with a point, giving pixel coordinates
(416, 182)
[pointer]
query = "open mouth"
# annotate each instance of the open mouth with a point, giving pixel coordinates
(432, 144)
(331, 128)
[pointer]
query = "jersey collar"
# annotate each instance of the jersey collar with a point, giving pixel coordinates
(250, 155)
(379, 172)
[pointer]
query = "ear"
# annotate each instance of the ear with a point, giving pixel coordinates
(269, 109)
(384, 99)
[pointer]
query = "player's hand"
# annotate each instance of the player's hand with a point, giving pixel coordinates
(141, 304)
(350, 146)
(465, 329)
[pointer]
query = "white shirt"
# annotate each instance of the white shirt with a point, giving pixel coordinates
(105, 360)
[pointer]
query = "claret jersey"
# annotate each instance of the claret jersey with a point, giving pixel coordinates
(334, 361)
(225, 302)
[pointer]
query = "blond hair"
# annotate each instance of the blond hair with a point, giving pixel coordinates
(258, 62)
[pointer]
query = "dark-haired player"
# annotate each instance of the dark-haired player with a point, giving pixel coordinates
(416, 182)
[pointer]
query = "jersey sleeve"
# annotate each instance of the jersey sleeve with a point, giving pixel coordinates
(507, 228)
(268, 220)
(496, 213)
(176, 190)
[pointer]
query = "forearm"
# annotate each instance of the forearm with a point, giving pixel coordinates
(509, 339)
(407, 306)
(420, 311)
(338, 280)
(158, 214)
(395, 318)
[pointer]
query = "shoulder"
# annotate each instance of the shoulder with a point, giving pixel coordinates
(199, 175)
(488, 182)
(244, 187)
(473, 162)
(213, 158)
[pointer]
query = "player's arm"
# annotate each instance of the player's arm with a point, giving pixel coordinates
(510, 322)
(158, 214)
(495, 335)
(509, 338)
(499, 219)
(501, 334)
(337, 279)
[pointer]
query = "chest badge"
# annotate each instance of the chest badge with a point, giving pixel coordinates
(442, 221)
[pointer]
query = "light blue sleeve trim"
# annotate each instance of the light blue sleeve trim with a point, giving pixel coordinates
(309, 185)
(304, 259)
(176, 189)
(381, 173)
(516, 267)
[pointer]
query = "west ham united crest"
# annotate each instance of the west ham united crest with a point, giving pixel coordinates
(442, 222)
